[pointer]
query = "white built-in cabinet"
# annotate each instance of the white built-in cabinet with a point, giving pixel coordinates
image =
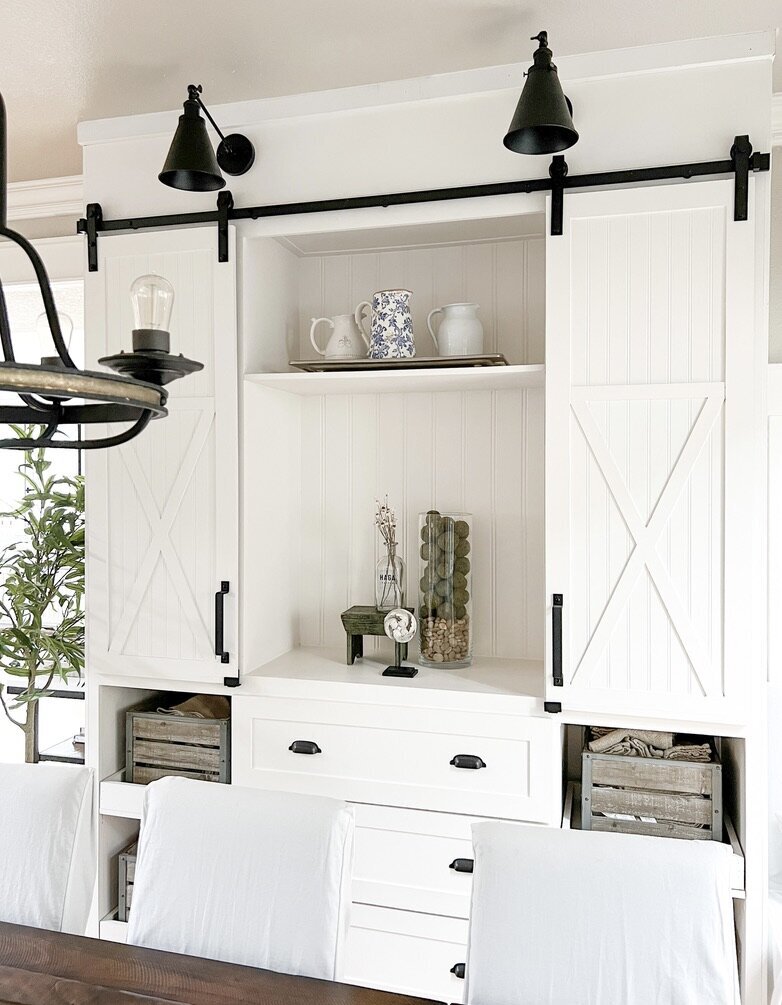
(163, 508)
(650, 478)
(604, 464)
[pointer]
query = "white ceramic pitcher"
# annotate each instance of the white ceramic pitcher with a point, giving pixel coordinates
(347, 340)
(460, 332)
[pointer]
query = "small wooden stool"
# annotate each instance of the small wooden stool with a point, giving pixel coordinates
(360, 621)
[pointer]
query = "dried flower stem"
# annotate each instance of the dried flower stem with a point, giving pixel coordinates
(385, 521)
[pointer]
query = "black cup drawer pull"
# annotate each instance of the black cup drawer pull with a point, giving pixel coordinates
(458, 970)
(462, 865)
(305, 747)
(468, 761)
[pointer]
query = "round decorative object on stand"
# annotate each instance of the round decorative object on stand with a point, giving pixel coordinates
(445, 583)
(400, 625)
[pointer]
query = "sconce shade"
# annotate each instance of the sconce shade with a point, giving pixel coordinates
(191, 163)
(543, 122)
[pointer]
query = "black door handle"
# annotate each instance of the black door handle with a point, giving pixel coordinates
(305, 747)
(458, 970)
(468, 761)
(556, 640)
(220, 621)
(462, 865)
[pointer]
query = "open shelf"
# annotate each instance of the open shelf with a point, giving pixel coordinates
(404, 380)
(112, 930)
(475, 686)
(119, 798)
(63, 752)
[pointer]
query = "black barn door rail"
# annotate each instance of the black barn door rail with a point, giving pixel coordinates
(741, 161)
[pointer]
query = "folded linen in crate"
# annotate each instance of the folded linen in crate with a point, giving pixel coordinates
(646, 743)
(202, 706)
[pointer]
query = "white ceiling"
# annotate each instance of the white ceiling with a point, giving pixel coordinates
(68, 60)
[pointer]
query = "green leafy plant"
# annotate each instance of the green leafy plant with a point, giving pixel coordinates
(42, 589)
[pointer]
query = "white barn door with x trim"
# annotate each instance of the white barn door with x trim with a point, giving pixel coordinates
(649, 458)
(163, 509)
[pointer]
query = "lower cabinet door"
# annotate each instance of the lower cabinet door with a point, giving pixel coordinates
(405, 952)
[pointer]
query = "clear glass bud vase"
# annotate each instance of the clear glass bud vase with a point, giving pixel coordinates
(389, 582)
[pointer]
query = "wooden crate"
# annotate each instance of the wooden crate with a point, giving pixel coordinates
(681, 799)
(126, 874)
(158, 745)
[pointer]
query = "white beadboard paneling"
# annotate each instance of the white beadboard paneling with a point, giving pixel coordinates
(506, 278)
(479, 452)
(163, 508)
(659, 276)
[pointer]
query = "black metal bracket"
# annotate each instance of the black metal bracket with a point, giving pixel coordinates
(231, 681)
(225, 203)
(554, 707)
(90, 226)
(558, 172)
(741, 161)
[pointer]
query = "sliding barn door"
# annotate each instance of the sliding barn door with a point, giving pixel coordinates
(163, 509)
(649, 452)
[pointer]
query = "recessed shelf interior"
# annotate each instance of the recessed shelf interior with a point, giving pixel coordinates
(497, 263)
(467, 439)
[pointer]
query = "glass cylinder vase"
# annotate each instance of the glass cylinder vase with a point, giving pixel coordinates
(389, 582)
(445, 585)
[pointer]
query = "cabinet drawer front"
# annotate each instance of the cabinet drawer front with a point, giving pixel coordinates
(406, 953)
(401, 756)
(403, 860)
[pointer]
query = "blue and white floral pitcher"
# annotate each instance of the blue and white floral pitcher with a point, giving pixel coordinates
(391, 329)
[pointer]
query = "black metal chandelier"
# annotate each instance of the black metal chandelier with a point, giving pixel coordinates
(57, 393)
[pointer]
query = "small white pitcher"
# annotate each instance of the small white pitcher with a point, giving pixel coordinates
(460, 332)
(347, 340)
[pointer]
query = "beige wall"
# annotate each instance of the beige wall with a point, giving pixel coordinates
(775, 277)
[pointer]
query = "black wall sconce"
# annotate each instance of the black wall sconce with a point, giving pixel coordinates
(543, 121)
(191, 163)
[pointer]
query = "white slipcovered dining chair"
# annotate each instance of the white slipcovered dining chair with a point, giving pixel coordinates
(243, 875)
(567, 917)
(47, 865)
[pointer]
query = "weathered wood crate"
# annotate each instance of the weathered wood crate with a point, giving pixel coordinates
(126, 867)
(158, 745)
(681, 799)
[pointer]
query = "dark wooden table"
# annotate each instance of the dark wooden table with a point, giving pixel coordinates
(47, 968)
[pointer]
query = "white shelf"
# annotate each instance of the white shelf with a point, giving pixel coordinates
(112, 930)
(494, 684)
(571, 818)
(404, 380)
(119, 798)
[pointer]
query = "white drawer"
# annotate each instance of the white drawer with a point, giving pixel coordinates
(404, 859)
(402, 756)
(405, 952)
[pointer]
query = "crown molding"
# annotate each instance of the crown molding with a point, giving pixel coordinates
(776, 120)
(46, 197)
